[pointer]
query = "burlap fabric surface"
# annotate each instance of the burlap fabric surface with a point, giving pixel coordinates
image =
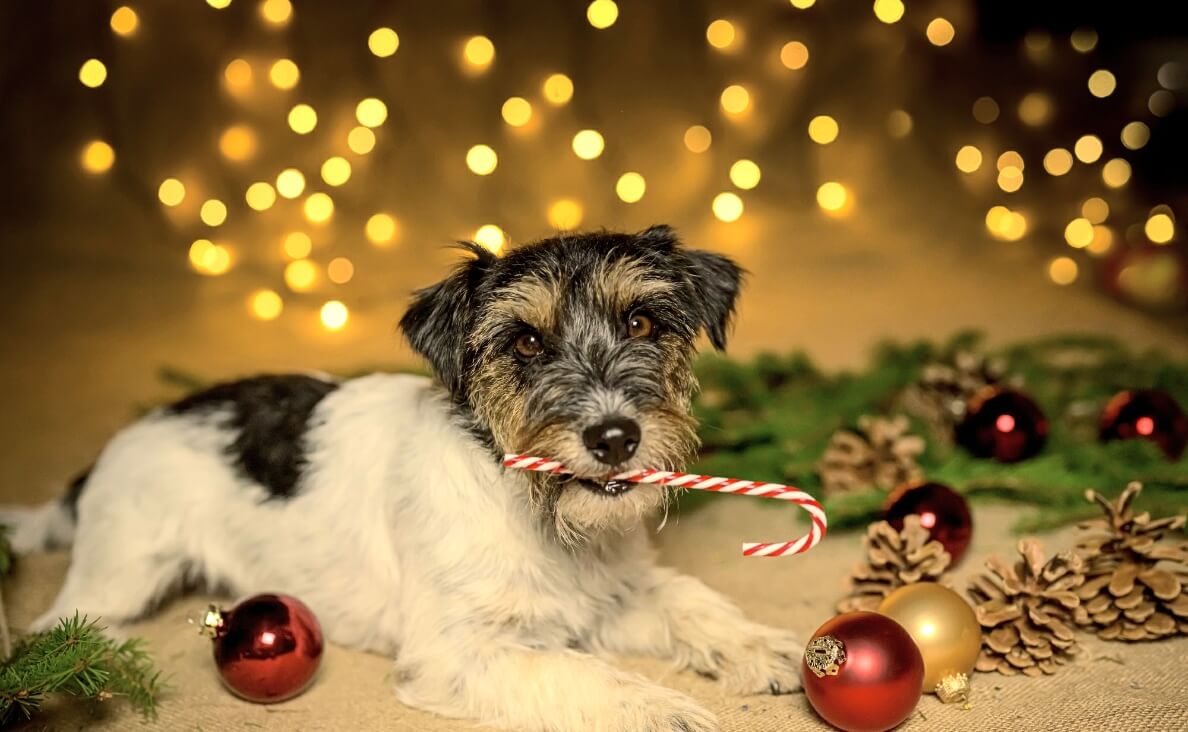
(1112, 686)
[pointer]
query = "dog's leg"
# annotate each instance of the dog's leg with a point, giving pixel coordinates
(678, 617)
(545, 691)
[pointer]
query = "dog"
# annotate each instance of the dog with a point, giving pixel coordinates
(382, 502)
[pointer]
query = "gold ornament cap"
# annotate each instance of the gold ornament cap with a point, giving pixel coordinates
(825, 655)
(953, 689)
(211, 622)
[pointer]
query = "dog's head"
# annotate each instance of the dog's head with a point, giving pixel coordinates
(579, 349)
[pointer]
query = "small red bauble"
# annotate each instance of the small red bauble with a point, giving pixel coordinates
(1002, 424)
(862, 672)
(1146, 414)
(267, 647)
(941, 509)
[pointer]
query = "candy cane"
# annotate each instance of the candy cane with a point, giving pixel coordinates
(715, 485)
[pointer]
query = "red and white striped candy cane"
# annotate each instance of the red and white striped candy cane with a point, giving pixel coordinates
(715, 485)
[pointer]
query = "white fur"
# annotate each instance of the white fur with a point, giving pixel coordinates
(406, 538)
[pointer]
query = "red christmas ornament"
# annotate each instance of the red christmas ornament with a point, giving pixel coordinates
(862, 672)
(941, 509)
(1002, 424)
(1146, 414)
(267, 647)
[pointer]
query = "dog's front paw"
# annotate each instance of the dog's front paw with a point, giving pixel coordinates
(652, 708)
(763, 661)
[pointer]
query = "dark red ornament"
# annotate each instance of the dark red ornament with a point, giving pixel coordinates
(1146, 414)
(942, 510)
(1003, 424)
(862, 672)
(267, 647)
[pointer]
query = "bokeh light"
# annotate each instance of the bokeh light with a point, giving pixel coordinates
(1102, 83)
(301, 275)
(383, 42)
(334, 315)
(336, 171)
(213, 212)
(276, 12)
(888, 11)
(802, 4)
(969, 159)
(833, 198)
(1062, 270)
(1079, 233)
(1160, 228)
(1088, 148)
(1083, 40)
(318, 208)
(209, 258)
(171, 192)
(516, 111)
(97, 157)
(899, 124)
(630, 187)
(260, 196)
(698, 139)
(1135, 135)
(727, 207)
(266, 304)
(381, 229)
(745, 174)
(720, 33)
(1095, 209)
(238, 143)
(218, 4)
(340, 270)
(940, 32)
(588, 144)
(297, 245)
(1005, 224)
(557, 89)
(238, 76)
(361, 140)
(794, 55)
(1035, 109)
(491, 238)
(985, 110)
(602, 13)
(92, 73)
(303, 119)
(371, 112)
(1058, 161)
(284, 74)
(1161, 103)
(1010, 159)
(478, 53)
(1103, 241)
(735, 99)
(565, 214)
(290, 183)
(823, 129)
(1010, 178)
(124, 21)
(481, 159)
(1115, 173)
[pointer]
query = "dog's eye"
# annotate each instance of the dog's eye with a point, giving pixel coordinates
(639, 326)
(528, 345)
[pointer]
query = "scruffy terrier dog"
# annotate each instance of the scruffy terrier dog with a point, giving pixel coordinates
(382, 503)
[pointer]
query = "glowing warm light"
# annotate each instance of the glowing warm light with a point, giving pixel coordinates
(1010, 158)
(794, 55)
(1135, 135)
(92, 73)
(1161, 103)
(720, 33)
(1083, 40)
(301, 275)
(1103, 241)
(1115, 173)
(284, 74)
(1062, 270)
(334, 315)
(833, 198)
(1010, 178)
(1095, 209)
(383, 42)
(276, 12)
(209, 258)
(1006, 224)
(481, 160)
(318, 208)
(928, 520)
(1079, 233)
(218, 4)
(899, 124)
(745, 174)
(297, 245)
(1038, 44)
(336, 171)
(565, 214)
(822, 129)
(266, 304)
(888, 11)
(371, 112)
(516, 111)
(381, 229)
(1160, 228)
(630, 187)
(1088, 148)
(1004, 423)
(340, 270)
(727, 207)
(802, 4)
(558, 89)
(303, 119)
(1035, 109)
(588, 144)
(213, 212)
(361, 140)
(478, 52)
(171, 192)
(490, 237)
(238, 143)
(1058, 161)
(969, 159)
(124, 21)
(698, 139)
(238, 76)
(985, 110)
(97, 157)
(1145, 426)
(1171, 75)
(735, 99)
(290, 183)
(260, 196)
(940, 32)
(602, 13)
(1102, 83)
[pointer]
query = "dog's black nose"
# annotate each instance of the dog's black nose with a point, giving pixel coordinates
(613, 441)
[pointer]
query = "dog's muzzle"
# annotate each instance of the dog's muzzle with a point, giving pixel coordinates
(607, 487)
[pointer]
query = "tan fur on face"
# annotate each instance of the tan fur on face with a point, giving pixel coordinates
(621, 283)
(534, 302)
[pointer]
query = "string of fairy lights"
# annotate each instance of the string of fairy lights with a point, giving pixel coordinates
(1090, 232)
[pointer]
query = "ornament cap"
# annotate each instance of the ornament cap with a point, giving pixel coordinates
(953, 689)
(825, 655)
(211, 622)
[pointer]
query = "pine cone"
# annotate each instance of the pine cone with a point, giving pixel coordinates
(1026, 611)
(940, 394)
(1135, 587)
(893, 559)
(881, 453)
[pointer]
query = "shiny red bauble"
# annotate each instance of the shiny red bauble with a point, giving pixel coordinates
(941, 509)
(1002, 424)
(876, 683)
(267, 648)
(1146, 414)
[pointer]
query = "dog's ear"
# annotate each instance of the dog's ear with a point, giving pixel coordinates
(438, 320)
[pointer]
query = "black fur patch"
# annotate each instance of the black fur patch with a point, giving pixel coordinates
(70, 500)
(270, 415)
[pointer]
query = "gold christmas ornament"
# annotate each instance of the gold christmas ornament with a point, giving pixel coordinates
(943, 626)
(893, 559)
